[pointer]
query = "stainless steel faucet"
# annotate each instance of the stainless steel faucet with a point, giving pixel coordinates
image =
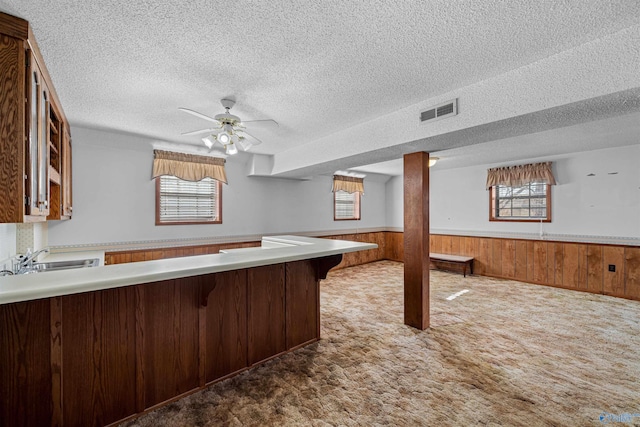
(25, 263)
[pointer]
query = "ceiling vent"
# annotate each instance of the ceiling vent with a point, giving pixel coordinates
(446, 109)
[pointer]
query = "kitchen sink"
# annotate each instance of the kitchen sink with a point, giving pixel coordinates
(40, 267)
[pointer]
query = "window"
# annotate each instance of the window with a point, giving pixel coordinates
(187, 202)
(529, 202)
(346, 205)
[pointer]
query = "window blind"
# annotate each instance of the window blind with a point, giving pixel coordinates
(188, 201)
(346, 205)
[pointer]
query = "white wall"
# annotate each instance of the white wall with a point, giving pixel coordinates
(114, 198)
(601, 205)
(7, 244)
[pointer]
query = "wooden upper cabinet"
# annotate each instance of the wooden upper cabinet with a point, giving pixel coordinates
(35, 143)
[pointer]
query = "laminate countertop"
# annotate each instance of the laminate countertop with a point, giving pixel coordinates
(274, 250)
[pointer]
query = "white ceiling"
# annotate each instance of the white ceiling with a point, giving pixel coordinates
(317, 67)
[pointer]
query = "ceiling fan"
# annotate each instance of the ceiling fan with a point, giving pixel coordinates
(230, 131)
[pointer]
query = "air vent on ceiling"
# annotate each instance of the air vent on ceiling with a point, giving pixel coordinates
(446, 109)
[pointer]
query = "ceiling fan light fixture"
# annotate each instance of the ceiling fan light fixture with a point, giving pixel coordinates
(209, 141)
(232, 149)
(244, 144)
(224, 138)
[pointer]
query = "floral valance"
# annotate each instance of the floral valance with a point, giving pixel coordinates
(350, 184)
(515, 176)
(189, 167)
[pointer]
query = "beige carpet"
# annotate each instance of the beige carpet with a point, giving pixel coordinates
(503, 353)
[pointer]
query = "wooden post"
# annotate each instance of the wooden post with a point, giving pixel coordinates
(416, 240)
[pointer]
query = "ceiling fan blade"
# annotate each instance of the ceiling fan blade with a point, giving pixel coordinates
(264, 121)
(255, 141)
(200, 131)
(195, 113)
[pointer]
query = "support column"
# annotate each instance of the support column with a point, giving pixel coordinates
(416, 240)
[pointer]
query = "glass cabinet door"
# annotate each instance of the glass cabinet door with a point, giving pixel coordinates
(34, 132)
(43, 175)
(37, 180)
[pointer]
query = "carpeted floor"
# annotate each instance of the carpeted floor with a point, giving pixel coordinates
(503, 353)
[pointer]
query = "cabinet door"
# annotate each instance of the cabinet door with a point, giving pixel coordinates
(66, 173)
(33, 140)
(266, 312)
(37, 177)
(43, 151)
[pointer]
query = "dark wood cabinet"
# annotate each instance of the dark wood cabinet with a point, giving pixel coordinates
(25, 370)
(266, 312)
(171, 338)
(226, 320)
(97, 358)
(99, 364)
(303, 315)
(35, 160)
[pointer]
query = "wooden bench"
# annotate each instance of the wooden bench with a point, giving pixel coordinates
(464, 261)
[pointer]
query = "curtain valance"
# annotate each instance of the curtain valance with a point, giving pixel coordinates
(350, 184)
(189, 167)
(515, 176)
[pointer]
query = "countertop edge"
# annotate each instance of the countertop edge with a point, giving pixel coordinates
(59, 283)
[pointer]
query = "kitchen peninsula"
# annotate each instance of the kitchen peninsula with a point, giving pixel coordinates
(95, 346)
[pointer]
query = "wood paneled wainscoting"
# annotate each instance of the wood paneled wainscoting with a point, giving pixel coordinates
(348, 259)
(578, 266)
(136, 255)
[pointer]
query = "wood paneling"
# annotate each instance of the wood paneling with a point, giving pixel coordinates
(468, 246)
(540, 262)
(171, 338)
(446, 244)
(495, 257)
(226, 324)
(25, 364)
(266, 312)
(632, 273)
(551, 261)
(530, 261)
(571, 266)
(302, 296)
(508, 258)
(481, 262)
(395, 246)
(559, 257)
(435, 243)
(595, 281)
(613, 283)
(99, 374)
(137, 255)
(582, 267)
(455, 244)
(521, 260)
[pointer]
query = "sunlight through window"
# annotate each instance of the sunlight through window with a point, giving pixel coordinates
(457, 294)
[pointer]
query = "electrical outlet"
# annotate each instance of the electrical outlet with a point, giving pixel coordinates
(612, 267)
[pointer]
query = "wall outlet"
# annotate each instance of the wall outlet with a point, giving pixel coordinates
(612, 267)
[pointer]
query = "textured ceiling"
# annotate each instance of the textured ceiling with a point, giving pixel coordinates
(316, 67)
